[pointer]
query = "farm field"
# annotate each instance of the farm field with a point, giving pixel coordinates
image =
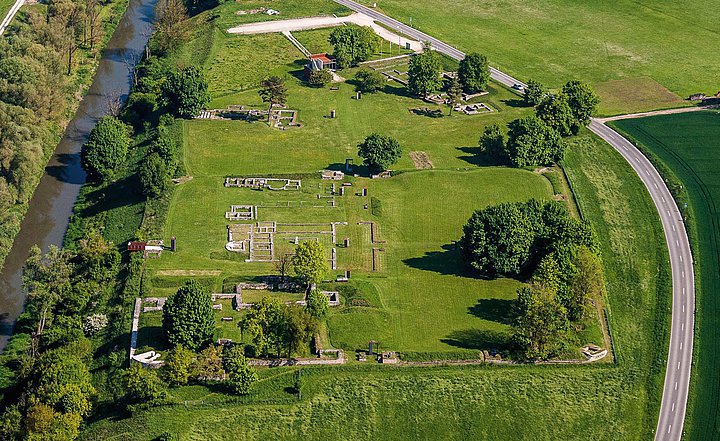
(556, 40)
(688, 145)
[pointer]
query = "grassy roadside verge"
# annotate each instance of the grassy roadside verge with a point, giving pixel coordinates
(613, 198)
(682, 147)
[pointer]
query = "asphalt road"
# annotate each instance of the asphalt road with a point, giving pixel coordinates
(11, 13)
(679, 363)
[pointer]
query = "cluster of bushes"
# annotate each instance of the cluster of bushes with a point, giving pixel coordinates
(67, 309)
(538, 139)
(561, 253)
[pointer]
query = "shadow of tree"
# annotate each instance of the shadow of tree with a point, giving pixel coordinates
(515, 103)
(479, 339)
(66, 168)
(118, 194)
(496, 310)
(474, 156)
(446, 262)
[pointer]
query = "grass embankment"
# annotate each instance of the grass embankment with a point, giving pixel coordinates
(557, 40)
(688, 145)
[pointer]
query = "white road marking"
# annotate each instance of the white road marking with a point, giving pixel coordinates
(681, 344)
(669, 427)
(677, 242)
(676, 385)
(673, 227)
(663, 198)
(681, 259)
(682, 328)
(673, 408)
(678, 365)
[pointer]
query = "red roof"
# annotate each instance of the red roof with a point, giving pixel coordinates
(325, 58)
(136, 246)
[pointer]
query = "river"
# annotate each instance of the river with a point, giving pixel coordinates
(52, 203)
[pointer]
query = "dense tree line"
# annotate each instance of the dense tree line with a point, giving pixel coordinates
(38, 62)
(51, 349)
(540, 139)
(561, 253)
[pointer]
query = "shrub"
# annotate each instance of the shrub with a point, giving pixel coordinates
(319, 78)
(370, 81)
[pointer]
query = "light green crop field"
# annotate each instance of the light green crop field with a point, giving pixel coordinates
(688, 145)
(557, 40)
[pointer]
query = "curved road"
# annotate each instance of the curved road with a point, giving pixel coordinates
(677, 375)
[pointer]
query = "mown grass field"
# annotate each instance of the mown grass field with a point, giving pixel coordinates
(557, 40)
(688, 145)
(422, 213)
(513, 403)
(421, 298)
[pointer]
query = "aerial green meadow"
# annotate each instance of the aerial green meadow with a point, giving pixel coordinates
(421, 300)
(631, 51)
(688, 145)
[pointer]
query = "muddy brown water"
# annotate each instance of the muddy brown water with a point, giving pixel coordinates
(51, 206)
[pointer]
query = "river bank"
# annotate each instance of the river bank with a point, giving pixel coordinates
(49, 210)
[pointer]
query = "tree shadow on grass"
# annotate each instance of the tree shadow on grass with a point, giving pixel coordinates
(514, 102)
(474, 156)
(478, 339)
(118, 194)
(495, 310)
(446, 262)
(398, 90)
(355, 169)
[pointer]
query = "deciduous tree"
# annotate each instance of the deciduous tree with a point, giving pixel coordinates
(106, 148)
(186, 91)
(424, 73)
(310, 262)
(274, 92)
(369, 81)
(154, 176)
(534, 93)
(353, 44)
(556, 113)
(583, 102)
(474, 73)
(492, 144)
(188, 317)
(531, 142)
(379, 152)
